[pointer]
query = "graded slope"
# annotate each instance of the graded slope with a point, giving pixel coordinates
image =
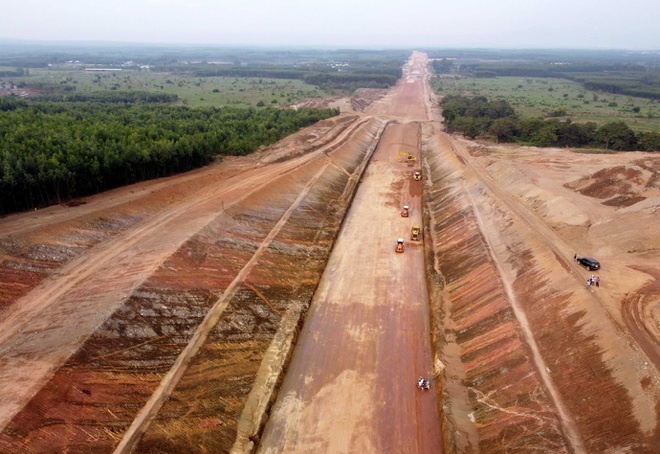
(532, 356)
(85, 349)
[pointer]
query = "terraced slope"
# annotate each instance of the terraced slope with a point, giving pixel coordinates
(256, 262)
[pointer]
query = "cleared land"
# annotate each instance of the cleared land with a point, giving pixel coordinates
(161, 317)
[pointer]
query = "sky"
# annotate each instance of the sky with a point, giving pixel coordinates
(573, 24)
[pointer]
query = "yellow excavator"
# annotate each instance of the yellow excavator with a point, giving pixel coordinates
(409, 158)
(414, 232)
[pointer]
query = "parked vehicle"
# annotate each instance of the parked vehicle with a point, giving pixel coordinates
(404, 211)
(417, 176)
(589, 263)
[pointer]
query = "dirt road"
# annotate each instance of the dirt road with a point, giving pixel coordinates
(351, 383)
(534, 209)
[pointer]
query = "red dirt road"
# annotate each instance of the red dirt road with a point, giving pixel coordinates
(351, 385)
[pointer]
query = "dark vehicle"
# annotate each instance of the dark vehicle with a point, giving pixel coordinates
(591, 264)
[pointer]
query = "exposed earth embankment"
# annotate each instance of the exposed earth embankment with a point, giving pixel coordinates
(531, 356)
(257, 260)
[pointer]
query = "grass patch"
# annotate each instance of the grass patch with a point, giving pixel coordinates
(552, 97)
(193, 91)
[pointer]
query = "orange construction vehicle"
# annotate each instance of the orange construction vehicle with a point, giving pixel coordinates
(404, 211)
(399, 245)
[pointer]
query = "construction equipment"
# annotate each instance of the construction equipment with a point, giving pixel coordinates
(409, 158)
(404, 211)
(399, 245)
(414, 233)
(417, 175)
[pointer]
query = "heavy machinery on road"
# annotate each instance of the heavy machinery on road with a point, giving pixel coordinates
(405, 211)
(409, 158)
(414, 232)
(399, 245)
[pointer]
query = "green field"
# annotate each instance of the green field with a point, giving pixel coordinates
(548, 97)
(193, 91)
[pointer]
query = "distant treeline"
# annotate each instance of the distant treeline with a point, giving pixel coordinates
(642, 84)
(625, 79)
(43, 55)
(13, 72)
(345, 69)
(477, 116)
(113, 97)
(346, 78)
(50, 152)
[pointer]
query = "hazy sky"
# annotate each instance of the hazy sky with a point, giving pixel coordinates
(600, 24)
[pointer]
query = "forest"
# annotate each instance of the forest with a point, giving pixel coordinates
(79, 132)
(330, 79)
(477, 116)
(51, 152)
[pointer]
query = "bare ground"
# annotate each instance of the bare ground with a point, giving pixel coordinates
(161, 317)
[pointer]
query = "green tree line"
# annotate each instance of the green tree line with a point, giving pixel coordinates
(50, 152)
(349, 79)
(478, 116)
(13, 72)
(625, 79)
(119, 97)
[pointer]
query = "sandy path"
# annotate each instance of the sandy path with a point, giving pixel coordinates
(493, 199)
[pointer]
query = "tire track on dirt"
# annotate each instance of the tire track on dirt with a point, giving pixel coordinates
(570, 428)
(633, 310)
(609, 350)
(557, 246)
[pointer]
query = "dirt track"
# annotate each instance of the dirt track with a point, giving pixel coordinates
(160, 317)
(351, 383)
